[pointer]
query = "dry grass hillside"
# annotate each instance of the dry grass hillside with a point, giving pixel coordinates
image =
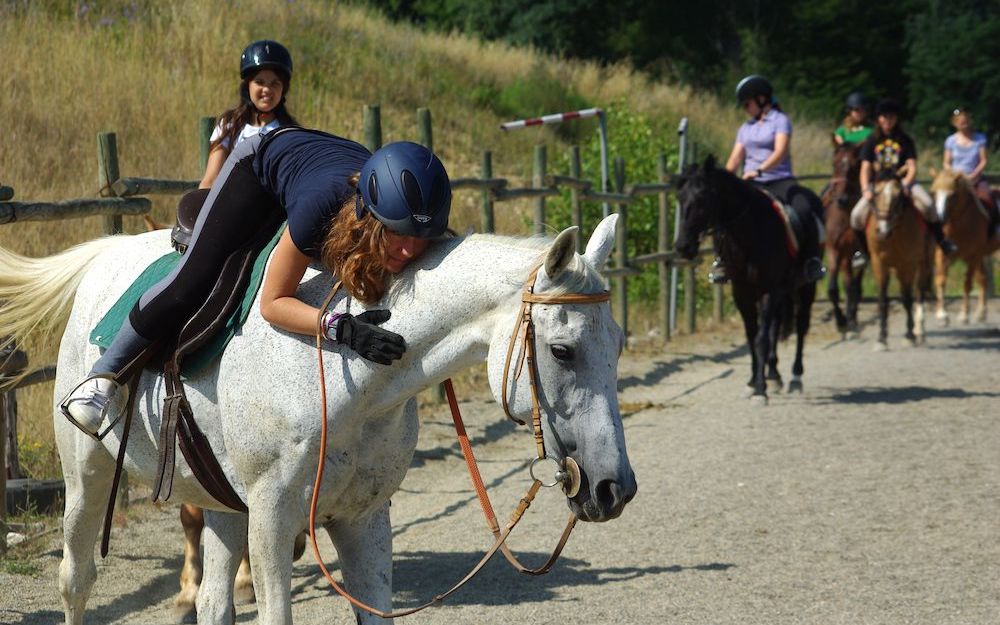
(149, 70)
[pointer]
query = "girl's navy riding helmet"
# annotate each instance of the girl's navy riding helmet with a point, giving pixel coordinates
(407, 189)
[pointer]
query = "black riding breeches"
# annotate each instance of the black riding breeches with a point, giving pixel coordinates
(227, 222)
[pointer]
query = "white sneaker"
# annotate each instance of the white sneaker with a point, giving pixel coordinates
(86, 406)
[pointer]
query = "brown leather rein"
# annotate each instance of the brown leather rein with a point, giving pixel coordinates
(568, 473)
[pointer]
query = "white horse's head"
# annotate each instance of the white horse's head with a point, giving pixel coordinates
(576, 348)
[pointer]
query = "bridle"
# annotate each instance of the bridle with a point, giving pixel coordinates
(567, 474)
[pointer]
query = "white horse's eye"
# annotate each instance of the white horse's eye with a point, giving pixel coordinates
(562, 352)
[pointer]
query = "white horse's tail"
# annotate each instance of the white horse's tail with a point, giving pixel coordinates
(36, 294)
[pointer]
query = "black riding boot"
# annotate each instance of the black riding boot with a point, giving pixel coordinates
(938, 231)
(717, 272)
(860, 258)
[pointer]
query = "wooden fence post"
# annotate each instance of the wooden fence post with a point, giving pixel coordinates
(538, 181)
(107, 173)
(426, 136)
(621, 251)
(574, 195)
(690, 300)
(664, 246)
(373, 127)
(205, 127)
(487, 206)
(717, 301)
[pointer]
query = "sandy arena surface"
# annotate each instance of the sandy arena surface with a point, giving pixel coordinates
(872, 498)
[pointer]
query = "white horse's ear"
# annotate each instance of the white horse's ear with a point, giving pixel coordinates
(562, 251)
(601, 242)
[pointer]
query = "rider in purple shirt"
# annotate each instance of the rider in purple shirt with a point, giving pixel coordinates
(762, 150)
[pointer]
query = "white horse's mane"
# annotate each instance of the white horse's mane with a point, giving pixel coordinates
(578, 276)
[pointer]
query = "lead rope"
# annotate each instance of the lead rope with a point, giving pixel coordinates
(501, 536)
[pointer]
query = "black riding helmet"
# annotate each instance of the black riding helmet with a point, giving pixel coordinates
(406, 188)
(857, 100)
(888, 106)
(265, 54)
(752, 87)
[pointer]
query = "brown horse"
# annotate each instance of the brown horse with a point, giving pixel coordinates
(966, 224)
(898, 239)
(839, 197)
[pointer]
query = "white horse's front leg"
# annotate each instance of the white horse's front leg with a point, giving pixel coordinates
(224, 536)
(274, 524)
(364, 547)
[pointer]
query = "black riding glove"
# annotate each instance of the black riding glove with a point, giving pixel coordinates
(362, 334)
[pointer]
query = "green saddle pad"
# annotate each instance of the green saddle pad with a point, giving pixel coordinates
(104, 333)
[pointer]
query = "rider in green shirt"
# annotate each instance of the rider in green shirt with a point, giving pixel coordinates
(854, 129)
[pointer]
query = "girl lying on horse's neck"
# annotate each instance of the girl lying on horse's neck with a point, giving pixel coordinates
(762, 150)
(364, 227)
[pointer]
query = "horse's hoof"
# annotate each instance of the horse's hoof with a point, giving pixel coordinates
(774, 385)
(748, 390)
(880, 346)
(964, 319)
(300, 545)
(186, 614)
(758, 401)
(910, 342)
(244, 595)
(795, 386)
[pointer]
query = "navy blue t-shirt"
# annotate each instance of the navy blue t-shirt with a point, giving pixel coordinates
(308, 171)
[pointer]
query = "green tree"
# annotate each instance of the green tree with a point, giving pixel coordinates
(953, 51)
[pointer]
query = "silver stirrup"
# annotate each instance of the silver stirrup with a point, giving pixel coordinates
(112, 412)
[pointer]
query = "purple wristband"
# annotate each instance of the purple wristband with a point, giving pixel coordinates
(330, 324)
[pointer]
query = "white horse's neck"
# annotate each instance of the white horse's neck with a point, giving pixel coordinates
(450, 304)
(454, 303)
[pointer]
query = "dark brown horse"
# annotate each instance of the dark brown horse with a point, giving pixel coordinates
(839, 197)
(898, 239)
(763, 267)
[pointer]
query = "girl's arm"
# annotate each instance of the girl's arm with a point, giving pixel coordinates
(911, 172)
(865, 178)
(736, 157)
(215, 160)
(781, 142)
(278, 304)
(982, 163)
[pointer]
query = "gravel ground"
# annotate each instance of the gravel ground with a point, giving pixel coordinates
(874, 497)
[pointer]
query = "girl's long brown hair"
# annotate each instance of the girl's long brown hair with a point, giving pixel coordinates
(355, 251)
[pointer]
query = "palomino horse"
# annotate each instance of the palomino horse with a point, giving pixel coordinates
(898, 239)
(258, 405)
(838, 199)
(965, 224)
(751, 238)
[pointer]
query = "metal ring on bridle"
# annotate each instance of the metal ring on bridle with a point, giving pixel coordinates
(560, 475)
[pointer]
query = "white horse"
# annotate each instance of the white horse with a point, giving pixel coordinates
(258, 405)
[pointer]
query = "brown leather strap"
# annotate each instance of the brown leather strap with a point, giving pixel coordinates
(484, 499)
(130, 375)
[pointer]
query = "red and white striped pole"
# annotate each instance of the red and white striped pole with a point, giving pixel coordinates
(557, 118)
